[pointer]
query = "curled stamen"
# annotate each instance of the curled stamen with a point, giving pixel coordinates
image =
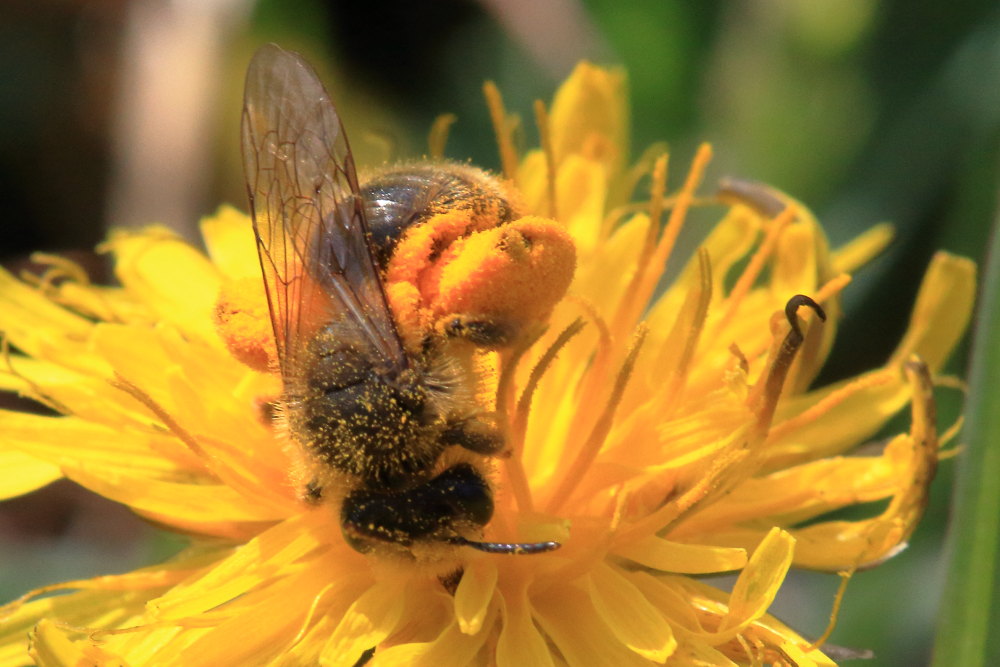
(791, 310)
(763, 399)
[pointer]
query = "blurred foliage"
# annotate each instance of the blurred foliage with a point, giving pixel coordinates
(866, 111)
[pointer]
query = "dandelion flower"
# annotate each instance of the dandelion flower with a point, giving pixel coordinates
(656, 434)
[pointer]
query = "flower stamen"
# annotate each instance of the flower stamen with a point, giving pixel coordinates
(764, 396)
(648, 274)
(688, 328)
(524, 402)
(59, 268)
(838, 599)
(34, 392)
(592, 446)
(437, 138)
(730, 464)
(545, 134)
(642, 166)
(501, 126)
(505, 408)
(754, 267)
(656, 205)
(594, 381)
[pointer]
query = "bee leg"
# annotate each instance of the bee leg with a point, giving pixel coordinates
(313, 493)
(480, 332)
(474, 436)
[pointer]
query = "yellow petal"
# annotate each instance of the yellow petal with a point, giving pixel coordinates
(520, 642)
(729, 242)
(369, 621)
(474, 593)
(29, 320)
(802, 492)
(451, 647)
(697, 654)
(94, 445)
(852, 420)
(759, 581)
(52, 647)
(568, 617)
(265, 556)
(589, 115)
(860, 250)
(97, 608)
(659, 554)
(334, 603)
(630, 616)
(175, 280)
(178, 503)
(672, 601)
(23, 473)
(942, 312)
(581, 190)
(230, 243)
(603, 279)
(261, 628)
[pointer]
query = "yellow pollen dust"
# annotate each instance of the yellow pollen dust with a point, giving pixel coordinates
(243, 323)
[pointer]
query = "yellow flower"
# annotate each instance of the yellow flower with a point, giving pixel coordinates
(656, 435)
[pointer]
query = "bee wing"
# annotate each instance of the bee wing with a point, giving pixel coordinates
(308, 215)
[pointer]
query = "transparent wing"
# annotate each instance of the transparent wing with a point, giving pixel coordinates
(307, 213)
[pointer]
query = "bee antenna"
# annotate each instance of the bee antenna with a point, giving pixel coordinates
(512, 548)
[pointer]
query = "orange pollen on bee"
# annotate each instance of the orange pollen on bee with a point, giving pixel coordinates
(242, 321)
(513, 273)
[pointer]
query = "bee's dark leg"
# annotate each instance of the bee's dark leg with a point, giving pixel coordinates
(365, 657)
(480, 332)
(313, 493)
(474, 436)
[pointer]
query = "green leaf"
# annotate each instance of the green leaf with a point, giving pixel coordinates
(969, 619)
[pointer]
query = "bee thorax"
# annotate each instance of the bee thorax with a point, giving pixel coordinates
(363, 421)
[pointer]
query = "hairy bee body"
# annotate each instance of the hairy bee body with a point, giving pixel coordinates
(374, 424)
(379, 380)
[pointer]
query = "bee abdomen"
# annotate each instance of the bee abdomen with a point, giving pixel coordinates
(401, 198)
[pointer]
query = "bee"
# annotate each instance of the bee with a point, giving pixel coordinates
(374, 414)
